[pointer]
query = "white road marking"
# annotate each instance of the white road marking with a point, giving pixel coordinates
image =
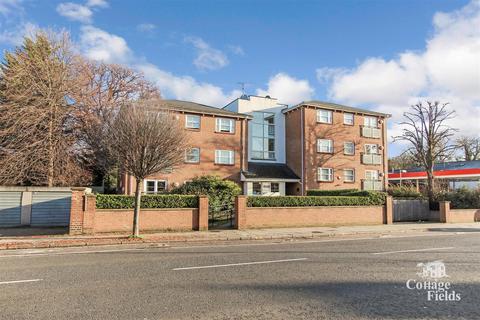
(20, 281)
(414, 250)
(239, 264)
(71, 252)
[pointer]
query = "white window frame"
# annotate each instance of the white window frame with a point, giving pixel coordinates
(186, 155)
(155, 187)
(271, 189)
(345, 119)
(225, 125)
(220, 157)
(345, 175)
(375, 175)
(345, 148)
(373, 146)
(370, 121)
(191, 124)
(329, 174)
(321, 148)
(327, 117)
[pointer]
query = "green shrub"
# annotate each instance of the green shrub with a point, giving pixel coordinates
(409, 192)
(107, 201)
(221, 193)
(343, 192)
(314, 201)
(461, 198)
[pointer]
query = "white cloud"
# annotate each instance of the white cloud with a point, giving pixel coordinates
(97, 3)
(100, 45)
(448, 70)
(146, 27)
(238, 50)
(207, 58)
(15, 36)
(287, 89)
(74, 11)
(9, 6)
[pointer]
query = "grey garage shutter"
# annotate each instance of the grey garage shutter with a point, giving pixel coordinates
(10, 210)
(51, 209)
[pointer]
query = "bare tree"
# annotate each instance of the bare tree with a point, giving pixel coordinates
(427, 132)
(100, 90)
(36, 142)
(403, 161)
(147, 140)
(469, 148)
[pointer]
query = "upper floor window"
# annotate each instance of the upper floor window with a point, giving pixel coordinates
(370, 121)
(349, 175)
(371, 174)
(325, 145)
(224, 157)
(348, 118)
(325, 174)
(371, 148)
(155, 186)
(192, 155)
(192, 121)
(324, 116)
(224, 125)
(349, 148)
(263, 135)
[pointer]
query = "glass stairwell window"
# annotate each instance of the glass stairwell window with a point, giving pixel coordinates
(263, 136)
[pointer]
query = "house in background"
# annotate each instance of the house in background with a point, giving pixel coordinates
(271, 149)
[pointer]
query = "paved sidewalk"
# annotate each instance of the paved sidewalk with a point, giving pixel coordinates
(59, 240)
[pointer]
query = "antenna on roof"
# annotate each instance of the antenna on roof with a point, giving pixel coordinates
(242, 85)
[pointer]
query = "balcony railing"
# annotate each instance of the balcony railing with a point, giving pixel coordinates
(372, 185)
(371, 132)
(371, 158)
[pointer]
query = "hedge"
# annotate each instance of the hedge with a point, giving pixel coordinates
(462, 198)
(315, 201)
(343, 192)
(404, 192)
(107, 201)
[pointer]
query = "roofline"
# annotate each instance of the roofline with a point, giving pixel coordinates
(233, 114)
(252, 95)
(361, 111)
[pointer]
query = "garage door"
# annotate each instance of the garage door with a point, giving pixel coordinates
(10, 210)
(50, 209)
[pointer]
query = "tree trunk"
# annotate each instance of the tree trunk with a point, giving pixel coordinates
(430, 185)
(136, 211)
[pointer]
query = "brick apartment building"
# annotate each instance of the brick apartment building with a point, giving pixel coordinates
(271, 149)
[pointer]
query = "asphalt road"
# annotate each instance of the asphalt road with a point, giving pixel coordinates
(324, 279)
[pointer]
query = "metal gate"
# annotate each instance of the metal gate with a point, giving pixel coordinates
(10, 209)
(50, 209)
(221, 217)
(411, 210)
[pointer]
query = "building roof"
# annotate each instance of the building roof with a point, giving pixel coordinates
(336, 107)
(259, 170)
(194, 107)
(442, 169)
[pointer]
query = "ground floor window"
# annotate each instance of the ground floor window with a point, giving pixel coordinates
(349, 175)
(263, 188)
(155, 186)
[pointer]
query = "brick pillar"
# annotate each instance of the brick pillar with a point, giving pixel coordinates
(240, 214)
(202, 213)
(76, 211)
(388, 219)
(90, 205)
(444, 211)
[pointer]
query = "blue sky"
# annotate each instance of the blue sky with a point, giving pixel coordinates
(382, 55)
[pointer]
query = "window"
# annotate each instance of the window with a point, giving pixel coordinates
(155, 186)
(348, 119)
(192, 155)
(224, 157)
(371, 122)
(224, 125)
(192, 121)
(349, 175)
(371, 174)
(325, 174)
(257, 188)
(263, 136)
(371, 148)
(274, 187)
(349, 148)
(325, 145)
(324, 116)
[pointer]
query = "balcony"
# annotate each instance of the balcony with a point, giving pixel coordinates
(371, 158)
(372, 185)
(371, 132)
